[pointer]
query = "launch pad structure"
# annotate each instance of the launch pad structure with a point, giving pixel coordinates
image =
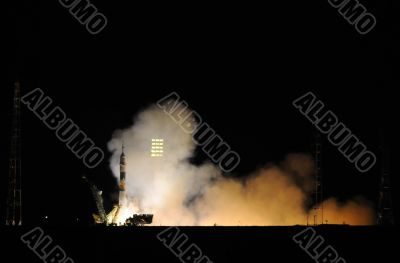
(111, 219)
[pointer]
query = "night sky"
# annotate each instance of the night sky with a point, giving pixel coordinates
(239, 67)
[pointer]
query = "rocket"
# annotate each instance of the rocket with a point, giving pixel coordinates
(122, 173)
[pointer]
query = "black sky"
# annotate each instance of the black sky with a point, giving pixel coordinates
(239, 67)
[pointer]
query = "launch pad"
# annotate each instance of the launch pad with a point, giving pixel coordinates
(113, 218)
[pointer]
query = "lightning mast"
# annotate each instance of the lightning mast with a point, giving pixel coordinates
(385, 210)
(14, 205)
(318, 194)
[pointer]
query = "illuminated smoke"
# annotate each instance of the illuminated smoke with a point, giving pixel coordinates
(180, 193)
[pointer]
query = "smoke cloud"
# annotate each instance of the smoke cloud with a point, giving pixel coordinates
(178, 192)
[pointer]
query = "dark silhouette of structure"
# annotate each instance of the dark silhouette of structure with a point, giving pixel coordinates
(14, 205)
(318, 209)
(385, 205)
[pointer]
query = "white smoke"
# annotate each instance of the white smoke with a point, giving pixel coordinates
(180, 193)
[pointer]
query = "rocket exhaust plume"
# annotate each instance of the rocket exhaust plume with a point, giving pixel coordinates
(178, 192)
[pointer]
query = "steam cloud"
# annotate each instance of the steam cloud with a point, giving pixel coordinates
(178, 192)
